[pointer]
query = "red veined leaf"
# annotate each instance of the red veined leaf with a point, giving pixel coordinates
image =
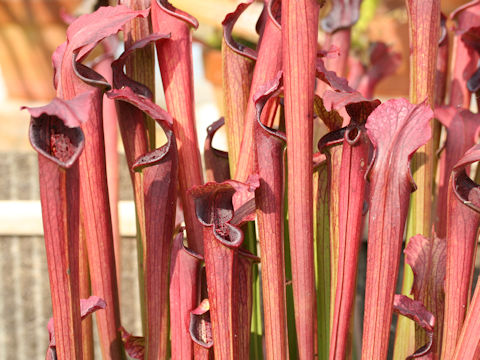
(463, 220)
(59, 148)
(184, 289)
(461, 126)
(228, 267)
(269, 63)
(396, 129)
(175, 62)
(299, 53)
(238, 63)
(269, 200)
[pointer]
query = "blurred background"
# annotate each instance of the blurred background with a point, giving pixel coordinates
(30, 30)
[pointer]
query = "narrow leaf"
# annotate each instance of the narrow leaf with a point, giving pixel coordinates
(184, 290)
(269, 201)
(175, 62)
(237, 67)
(269, 63)
(299, 52)
(463, 220)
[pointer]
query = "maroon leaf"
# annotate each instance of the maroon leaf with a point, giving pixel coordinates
(201, 330)
(397, 129)
(417, 312)
(184, 289)
(216, 161)
(269, 63)
(175, 62)
(159, 169)
(228, 268)
(270, 210)
(238, 63)
(59, 148)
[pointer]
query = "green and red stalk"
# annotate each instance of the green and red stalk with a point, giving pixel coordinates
(329, 145)
(216, 161)
(221, 208)
(269, 196)
(351, 195)
(269, 63)
(463, 220)
(396, 129)
(85, 292)
(72, 78)
(238, 62)
(59, 142)
(322, 252)
(424, 35)
(175, 62)
(299, 51)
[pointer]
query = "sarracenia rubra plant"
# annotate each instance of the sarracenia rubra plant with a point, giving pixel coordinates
(261, 261)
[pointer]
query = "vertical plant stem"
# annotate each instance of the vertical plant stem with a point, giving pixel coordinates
(462, 233)
(269, 199)
(299, 48)
(351, 196)
(58, 148)
(175, 61)
(424, 33)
